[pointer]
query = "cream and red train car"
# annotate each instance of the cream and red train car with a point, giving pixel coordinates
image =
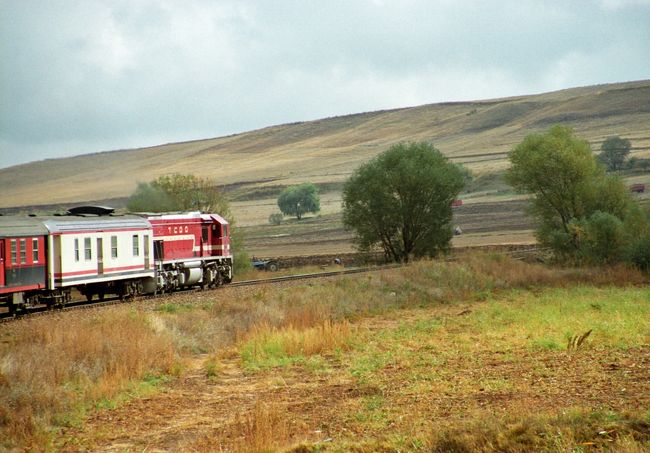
(100, 255)
(43, 258)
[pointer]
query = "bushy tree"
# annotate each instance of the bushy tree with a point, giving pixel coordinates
(275, 218)
(148, 198)
(189, 192)
(638, 252)
(298, 200)
(582, 213)
(179, 192)
(614, 151)
(401, 201)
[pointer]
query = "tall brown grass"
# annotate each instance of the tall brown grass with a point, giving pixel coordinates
(290, 341)
(51, 368)
(262, 428)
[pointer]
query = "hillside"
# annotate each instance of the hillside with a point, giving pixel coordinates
(478, 134)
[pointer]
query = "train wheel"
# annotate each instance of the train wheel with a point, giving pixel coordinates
(131, 290)
(89, 296)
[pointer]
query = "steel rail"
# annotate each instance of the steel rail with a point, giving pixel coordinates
(82, 304)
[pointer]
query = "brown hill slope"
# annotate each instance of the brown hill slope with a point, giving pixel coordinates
(476, 133)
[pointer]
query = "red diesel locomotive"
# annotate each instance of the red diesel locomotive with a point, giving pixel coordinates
(191, 249)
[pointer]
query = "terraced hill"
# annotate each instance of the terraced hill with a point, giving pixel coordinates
(478, 134)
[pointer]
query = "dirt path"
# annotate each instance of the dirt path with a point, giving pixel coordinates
(196, 411)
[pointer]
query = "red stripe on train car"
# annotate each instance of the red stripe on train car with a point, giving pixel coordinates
(14, 289)
(110, 230)
(94, 271)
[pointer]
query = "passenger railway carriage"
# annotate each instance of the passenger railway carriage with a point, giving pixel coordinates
(100, 255)
(23, 269)
(43, 258)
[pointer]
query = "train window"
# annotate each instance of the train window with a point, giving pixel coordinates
(136, 245)
(23, 251)
(13, 251)
(76, 249)
(113, 246)
(35, 250)
(205, 234)
(88, 252)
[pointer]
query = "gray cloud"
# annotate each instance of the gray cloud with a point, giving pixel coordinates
(84, 76)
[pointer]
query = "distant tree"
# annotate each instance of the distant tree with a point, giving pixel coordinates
(582, 213)
(179, 192)
(401, 201)
(275, 218)
(298, 200)
(614, 151)
(148, 198)
(189, 192)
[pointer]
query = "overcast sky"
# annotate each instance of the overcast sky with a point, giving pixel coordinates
(81, 76)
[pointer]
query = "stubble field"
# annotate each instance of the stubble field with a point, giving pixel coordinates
(483, 223)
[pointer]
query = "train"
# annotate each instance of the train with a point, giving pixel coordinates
(98, 253)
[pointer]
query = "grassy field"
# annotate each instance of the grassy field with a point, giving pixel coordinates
(486, 353)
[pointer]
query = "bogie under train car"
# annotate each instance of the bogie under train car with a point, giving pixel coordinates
(43, 258)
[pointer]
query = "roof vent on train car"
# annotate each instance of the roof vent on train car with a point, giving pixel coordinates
(91, 210)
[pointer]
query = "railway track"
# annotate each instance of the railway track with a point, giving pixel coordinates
(76, 305)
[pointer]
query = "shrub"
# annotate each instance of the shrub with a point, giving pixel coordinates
(639, 253)
(276, 218)
(604, 238)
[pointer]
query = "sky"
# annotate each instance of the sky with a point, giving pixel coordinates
(82, 76)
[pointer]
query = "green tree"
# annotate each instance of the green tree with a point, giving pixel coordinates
(614, 151)
(179, 192)
(401, 201)
(298, 200)
(148, 198)
(582, 213)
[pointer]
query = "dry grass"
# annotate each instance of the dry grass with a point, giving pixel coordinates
(51, 368)
(269, 346)
(196, 328)
(264, 429)
(523, 432)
